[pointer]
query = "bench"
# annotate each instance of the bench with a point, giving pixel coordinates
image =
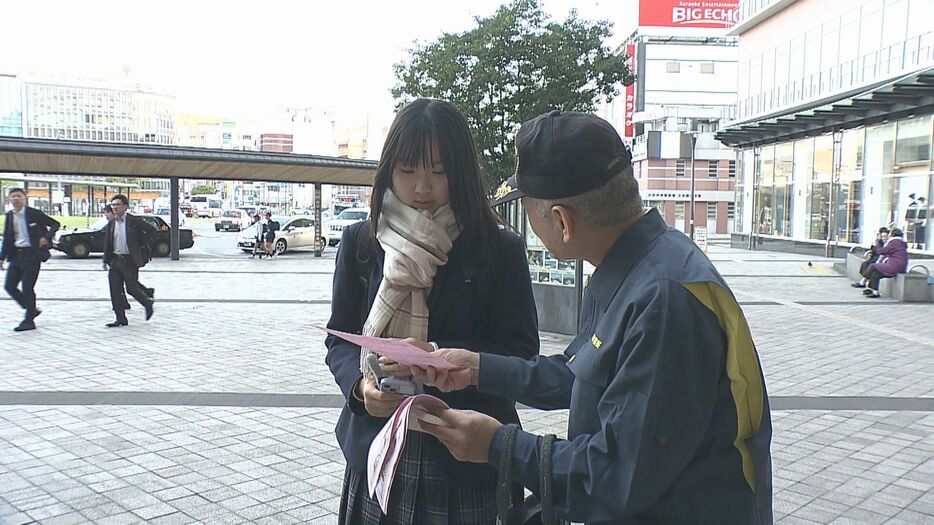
(915, 286)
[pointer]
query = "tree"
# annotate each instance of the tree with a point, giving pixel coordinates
(203, 189)
(514, 65)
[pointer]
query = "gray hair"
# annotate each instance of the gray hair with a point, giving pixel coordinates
(609, 205)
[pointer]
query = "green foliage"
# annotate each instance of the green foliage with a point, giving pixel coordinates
(516, 64)
(203, 189)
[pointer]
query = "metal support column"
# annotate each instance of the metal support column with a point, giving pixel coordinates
(319, 246)
(90, 203)
(174, 237)
(754, 229)
(693, 169)
(834, 181)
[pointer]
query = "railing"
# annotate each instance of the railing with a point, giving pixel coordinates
(907, 55)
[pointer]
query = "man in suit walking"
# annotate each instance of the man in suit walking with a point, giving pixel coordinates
(109, 215)
(27, 235)
(126, 250)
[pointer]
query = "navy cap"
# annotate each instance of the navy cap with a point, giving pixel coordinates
(563, 155)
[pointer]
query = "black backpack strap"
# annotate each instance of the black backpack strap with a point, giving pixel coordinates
(363, 259)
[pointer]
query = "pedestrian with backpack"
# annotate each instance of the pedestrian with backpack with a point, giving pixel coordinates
(431, 265)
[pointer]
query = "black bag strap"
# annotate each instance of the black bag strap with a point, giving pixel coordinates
(544, 469)
(505, 506)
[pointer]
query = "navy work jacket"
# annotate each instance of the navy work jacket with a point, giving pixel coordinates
(669, 418)
(488, 311)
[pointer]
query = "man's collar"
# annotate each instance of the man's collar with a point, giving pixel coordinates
(628, 249)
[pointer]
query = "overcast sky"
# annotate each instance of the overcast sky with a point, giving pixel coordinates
(238, 58)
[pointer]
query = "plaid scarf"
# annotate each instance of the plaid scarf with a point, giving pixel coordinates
(416, 242)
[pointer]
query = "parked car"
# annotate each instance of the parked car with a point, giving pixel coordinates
(81, 242)
(347, 217)
(232, 220)
(294, 232)
(163, 213)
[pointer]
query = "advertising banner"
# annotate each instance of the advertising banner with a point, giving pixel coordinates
(628, 128)
(688, 13)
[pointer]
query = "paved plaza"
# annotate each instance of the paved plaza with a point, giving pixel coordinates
(221, 408)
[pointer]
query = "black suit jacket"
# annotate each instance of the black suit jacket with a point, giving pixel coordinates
(139, 236)
(40, 226)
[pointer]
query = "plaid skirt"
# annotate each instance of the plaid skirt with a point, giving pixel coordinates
(421, 494)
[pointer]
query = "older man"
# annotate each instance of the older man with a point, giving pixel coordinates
(669, 418)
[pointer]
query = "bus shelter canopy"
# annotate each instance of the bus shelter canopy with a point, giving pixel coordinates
(65, 157)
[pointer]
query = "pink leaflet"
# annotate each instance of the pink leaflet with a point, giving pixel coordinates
(402, 353)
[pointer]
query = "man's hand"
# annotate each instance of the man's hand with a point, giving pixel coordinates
(43, 242)
(448, 380)
(388, 366)
(106, 267)
(377, 402)
(470, 437)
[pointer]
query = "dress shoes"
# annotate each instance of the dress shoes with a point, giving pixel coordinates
(149, 309)
(115, 324)
(25, 325)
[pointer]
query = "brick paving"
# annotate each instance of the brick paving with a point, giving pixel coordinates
(114, 426)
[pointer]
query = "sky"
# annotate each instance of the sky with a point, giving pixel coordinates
(243, 59)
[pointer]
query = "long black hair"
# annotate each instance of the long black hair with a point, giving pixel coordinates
(417, 126)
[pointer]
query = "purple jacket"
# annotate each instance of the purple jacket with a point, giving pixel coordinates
(893, 257)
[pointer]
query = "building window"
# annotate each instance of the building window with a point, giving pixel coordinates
(730, 211)
(732, 168)
(679, 211)
(679, 168)
(672, 67)
(706, 68)
(712, 168)
(711, 211)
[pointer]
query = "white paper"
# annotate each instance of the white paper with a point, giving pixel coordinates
(386, 448)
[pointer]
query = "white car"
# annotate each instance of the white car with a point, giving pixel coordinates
(232, 220)
(347, 217)
(164, 214)
(293, 232)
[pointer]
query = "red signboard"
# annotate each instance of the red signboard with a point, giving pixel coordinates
(628, 130)
(688, 13)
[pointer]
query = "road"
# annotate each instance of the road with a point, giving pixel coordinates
(210, 243)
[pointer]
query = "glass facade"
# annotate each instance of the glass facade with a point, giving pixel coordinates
(11, 107)
(98, 114)
(841, 187)
(852, 45)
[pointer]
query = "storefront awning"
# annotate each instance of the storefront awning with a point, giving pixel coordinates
(909, 95)
(65, 157)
